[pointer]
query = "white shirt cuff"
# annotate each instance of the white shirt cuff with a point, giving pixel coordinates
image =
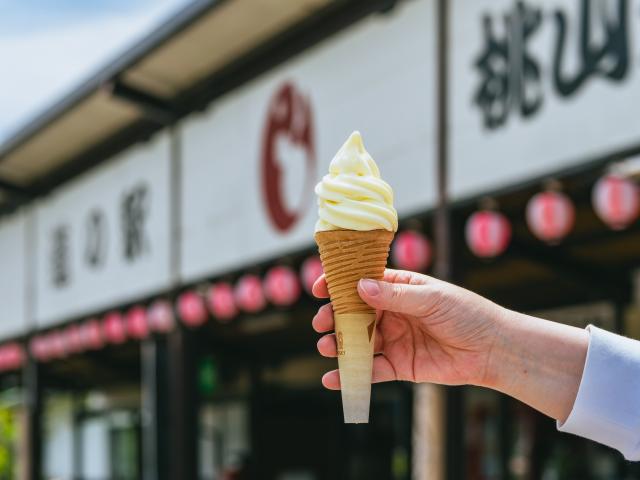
(607, 407)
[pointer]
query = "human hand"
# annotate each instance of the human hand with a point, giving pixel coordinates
(427, 331)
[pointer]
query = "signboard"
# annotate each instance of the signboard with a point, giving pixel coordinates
(13, 315)
(539, 85)
(251, 162)
(103, 239)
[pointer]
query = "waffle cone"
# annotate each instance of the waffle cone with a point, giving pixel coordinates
(347, 256)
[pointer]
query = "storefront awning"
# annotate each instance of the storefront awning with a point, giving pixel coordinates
(142, 91)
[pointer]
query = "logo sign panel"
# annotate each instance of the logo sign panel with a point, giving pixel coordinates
(251, 162)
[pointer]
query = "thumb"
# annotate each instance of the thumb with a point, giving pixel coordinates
(394, 297)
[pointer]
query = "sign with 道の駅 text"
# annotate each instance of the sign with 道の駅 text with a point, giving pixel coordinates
(104, 238)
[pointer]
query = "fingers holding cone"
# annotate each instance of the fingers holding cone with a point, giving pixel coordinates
(320, 289)
(323, 320)
(383, 371)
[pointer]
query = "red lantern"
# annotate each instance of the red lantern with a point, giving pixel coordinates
(161, 317)
(91, 334)
(616, 201)
(249, 295)
(311, 271)
(550, 215)
(38, 348)
(11, 356)
(487, 233)
(136, 321)
(411, 251)
(57, 344)
(49, 346)
(281, 286)
(73, 339)
(114, 328)
(221, 302)
(191, 309)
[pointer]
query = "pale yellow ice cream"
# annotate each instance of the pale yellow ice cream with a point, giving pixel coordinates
(353, 196)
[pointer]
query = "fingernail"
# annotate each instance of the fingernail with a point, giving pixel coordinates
(370, 287)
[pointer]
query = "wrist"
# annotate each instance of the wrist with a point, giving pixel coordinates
(496, 374)
(538, 362)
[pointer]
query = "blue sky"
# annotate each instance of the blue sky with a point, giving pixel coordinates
(49, 46)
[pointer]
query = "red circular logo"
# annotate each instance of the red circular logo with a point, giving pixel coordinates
(289, 123)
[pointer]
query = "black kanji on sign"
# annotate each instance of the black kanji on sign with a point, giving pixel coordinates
(603, 44)
(60, 256)
(133, 214)
(510, 74)
(96, 243)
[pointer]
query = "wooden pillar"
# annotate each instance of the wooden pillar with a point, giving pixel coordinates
(437, 429)
(32, 420)
(428, 432)
(183, 404)
(154, 411)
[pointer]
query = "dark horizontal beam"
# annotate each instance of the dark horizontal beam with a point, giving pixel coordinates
(153, 107)
(15, 189)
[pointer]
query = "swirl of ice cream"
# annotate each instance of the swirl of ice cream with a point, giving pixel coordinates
(353, 196)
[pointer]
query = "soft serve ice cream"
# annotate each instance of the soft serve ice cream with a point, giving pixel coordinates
(356, 226)
(353, 196)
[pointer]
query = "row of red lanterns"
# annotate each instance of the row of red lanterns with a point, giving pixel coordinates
(550, 216)
(280, 287)
(94, 334)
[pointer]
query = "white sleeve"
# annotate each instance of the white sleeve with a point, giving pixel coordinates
(607, 407)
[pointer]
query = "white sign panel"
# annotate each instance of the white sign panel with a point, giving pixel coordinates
(104, 238)
(540, 85)
(250, 164)
(13, 316)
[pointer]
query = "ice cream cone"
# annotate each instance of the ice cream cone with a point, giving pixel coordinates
(347, 256)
